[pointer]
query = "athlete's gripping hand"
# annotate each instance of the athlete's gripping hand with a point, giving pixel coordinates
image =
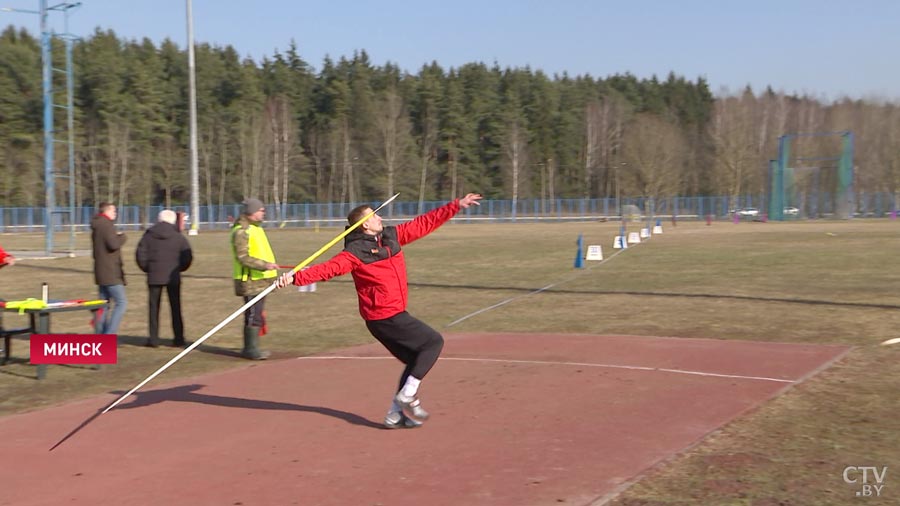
(285, 279)
(469, 200)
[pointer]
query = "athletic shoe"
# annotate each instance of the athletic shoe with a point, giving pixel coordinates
(411, 406)
(398, 420)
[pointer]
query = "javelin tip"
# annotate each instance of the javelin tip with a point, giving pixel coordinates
(388, 201)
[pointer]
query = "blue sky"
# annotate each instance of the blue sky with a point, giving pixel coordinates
(826, 48)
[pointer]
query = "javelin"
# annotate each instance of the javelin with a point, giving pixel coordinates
(254, 300)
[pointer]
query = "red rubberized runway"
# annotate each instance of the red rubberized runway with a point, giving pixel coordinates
(517, 419)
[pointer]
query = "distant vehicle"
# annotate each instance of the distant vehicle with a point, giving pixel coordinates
(748, 211)
(791, 211)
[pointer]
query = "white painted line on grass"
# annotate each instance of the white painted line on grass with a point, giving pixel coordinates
(576, 364)
(539, 290)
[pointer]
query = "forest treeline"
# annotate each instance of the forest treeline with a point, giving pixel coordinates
(352, 131)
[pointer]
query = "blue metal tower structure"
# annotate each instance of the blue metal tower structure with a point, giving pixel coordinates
(47, 70)
(50, 140)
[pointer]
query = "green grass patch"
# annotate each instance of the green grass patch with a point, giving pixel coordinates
(804, 282)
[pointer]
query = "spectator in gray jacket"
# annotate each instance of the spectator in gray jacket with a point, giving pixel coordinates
(164, 253)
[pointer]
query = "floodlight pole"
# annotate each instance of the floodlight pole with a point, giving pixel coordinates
(619, 168)
(49, 187)
(195, 192)
(70, 124)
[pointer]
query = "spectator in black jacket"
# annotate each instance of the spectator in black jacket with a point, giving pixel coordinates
(108, 272)
(164, 253)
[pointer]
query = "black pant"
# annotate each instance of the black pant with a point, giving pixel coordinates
(255, 315)
(414, 343)
(155, 294)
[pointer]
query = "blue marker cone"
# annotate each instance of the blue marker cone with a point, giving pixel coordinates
(579, 257)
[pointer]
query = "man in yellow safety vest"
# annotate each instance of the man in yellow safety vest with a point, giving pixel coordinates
(254, 270)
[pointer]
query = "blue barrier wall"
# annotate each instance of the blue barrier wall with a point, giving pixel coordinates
(31, 219)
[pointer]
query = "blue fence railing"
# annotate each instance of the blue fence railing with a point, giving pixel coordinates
(31, 219)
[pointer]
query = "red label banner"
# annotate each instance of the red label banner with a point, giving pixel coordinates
(73, 349)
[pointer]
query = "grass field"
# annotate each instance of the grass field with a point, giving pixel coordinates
(804, 282)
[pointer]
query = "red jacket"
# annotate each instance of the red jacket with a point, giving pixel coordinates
(377, 264)
(3, 256)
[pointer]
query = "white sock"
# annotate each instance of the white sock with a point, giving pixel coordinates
(411, 386)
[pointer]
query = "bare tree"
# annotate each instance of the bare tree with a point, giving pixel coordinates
(225, 137)
(453, 167)
(250, 143)
(654, 150)
(604, 124)
(119, 134)
(428, 152)
(516, 148)
(548, 190)
(281, 141)
(735, 145)
(207, 144)
(348, 177)
(170, 160)
(393, 133)
(891, 151)
(593, 140)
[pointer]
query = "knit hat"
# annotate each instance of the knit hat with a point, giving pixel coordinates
(251, 206)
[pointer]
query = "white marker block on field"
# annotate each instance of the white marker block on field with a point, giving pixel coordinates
(594, 252)
(619, 242)
(307, 288)
(657, 229)
(645, 233)
(634, 238)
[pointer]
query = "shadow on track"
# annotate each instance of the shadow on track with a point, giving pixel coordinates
(189, 393)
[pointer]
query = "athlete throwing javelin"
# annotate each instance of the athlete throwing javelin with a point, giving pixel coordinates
(372, 254)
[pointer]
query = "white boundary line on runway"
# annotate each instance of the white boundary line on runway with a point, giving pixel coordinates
(578, 364)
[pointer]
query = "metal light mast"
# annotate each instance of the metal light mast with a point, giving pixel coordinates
(195, 192)
(47, 79)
